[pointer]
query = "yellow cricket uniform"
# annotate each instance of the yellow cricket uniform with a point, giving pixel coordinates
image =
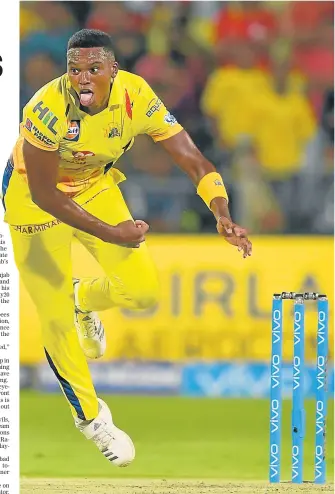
(88, 146)
(53, 121)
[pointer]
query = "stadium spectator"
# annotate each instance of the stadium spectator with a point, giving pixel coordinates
(38, 70)
(30, 20)
(114, 18)
(251, 22)
(211, 63)
(283, 126)
(50, 38)
(228, 96)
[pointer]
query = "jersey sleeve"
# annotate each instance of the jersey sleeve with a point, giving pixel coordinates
(44, 120)
(154, 119)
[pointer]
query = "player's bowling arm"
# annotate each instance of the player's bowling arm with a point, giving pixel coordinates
(42, 173)
(188, 157)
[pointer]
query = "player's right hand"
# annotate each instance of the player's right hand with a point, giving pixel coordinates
(130, 234)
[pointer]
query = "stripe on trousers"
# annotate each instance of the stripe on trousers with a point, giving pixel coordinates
(5, 180)
(67, 388)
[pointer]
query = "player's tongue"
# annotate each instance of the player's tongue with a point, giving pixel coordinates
(86, 98)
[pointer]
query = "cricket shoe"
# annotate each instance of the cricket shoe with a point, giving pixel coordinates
(113, 443)
(90, 330)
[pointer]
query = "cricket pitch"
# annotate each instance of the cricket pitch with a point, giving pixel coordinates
(142, 486)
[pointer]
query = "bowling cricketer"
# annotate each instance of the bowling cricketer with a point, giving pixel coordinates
(60, 182)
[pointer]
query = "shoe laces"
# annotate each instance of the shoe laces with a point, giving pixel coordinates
(89, 326)
(103, 437)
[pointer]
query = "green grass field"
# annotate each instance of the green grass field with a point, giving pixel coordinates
(175, 438)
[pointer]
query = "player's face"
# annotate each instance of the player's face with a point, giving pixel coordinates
(91, 71)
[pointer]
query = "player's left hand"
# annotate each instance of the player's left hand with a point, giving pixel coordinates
(235, 235)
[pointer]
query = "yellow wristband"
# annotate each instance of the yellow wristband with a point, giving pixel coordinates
(211, 186)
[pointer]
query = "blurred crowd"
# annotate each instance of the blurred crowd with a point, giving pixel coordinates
(252, 82)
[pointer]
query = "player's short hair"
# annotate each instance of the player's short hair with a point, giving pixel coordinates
(91, 38)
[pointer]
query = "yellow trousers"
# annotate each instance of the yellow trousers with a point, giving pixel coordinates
(43, 257)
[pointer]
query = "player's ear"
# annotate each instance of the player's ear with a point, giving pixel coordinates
(115, 69)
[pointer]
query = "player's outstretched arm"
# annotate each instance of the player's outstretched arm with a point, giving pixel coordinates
(42, 173)
(209, 186)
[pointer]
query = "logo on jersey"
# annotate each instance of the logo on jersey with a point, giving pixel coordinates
(129, 105)
(46, 116)
(170, 119)
(31, 229)
(111, 132)
(41, 137)
(29, 124)
(38, 134)
(114, 132)
(155, 107)
(73, 131)
(80, 156)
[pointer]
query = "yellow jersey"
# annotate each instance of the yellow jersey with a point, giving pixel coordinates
(283, 125)
(88, 145)
(227, 99)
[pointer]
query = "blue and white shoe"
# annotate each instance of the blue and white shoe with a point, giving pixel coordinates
(90, 330)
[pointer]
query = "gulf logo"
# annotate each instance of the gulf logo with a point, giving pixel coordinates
(73, 131)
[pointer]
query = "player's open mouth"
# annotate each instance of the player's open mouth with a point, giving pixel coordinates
(86, 97)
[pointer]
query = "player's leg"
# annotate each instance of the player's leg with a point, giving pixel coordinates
(131, 277)
(130, 282)
(44, 262)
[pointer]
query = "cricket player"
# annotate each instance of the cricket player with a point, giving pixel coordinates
(60, 182)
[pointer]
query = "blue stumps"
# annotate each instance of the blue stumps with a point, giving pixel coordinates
(321, 391)
(275, 388)
(298, 392)
(298, 412)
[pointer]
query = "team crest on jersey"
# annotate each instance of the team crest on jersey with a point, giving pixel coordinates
(170, 119)
(112, 131)
(73, 131)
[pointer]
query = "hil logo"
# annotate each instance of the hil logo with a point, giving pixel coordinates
(46, 116)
